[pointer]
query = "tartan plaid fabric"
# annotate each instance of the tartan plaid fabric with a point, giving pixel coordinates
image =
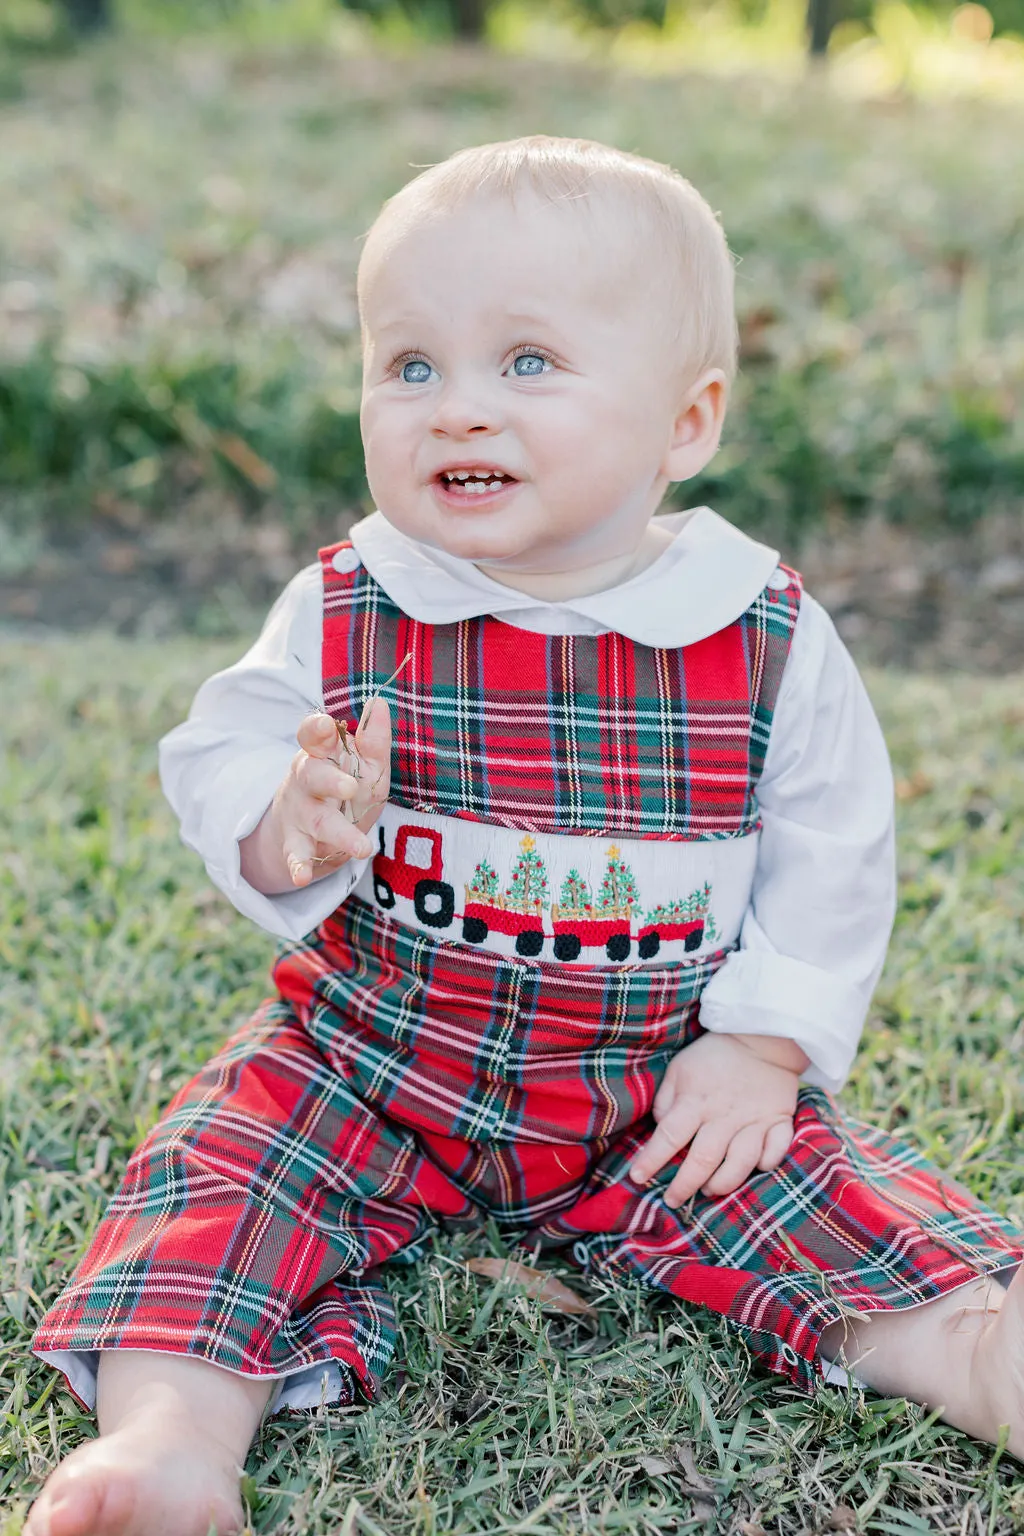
(400, 1078)
(852, 1219)
(563, 733)
(406, 1083)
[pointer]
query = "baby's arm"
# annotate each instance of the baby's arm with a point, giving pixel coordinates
(222, 769)
(791, 1000)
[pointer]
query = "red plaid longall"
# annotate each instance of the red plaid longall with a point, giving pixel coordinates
(403, 1074)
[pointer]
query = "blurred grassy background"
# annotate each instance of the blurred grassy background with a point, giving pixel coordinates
(183, 199)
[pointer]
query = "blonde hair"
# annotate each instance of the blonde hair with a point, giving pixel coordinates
(677, 221)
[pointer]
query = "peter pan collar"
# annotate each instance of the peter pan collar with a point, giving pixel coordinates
(707, 577)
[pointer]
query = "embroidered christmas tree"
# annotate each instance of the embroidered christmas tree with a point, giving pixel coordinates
(574, 895)
(710, 931)
(619, 891)
(528, 886)
(484, 885)
(695, 906)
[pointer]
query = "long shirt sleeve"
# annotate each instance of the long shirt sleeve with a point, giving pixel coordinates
(814, 938)
(221, 767)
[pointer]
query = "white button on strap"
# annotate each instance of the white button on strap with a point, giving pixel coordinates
(345, 560)
(778, 581)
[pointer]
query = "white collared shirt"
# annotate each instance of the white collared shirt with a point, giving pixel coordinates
(814, 937)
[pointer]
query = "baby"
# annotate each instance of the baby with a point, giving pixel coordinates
(584, 914)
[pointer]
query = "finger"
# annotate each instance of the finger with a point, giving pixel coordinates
(739, 1162)
(298, 849)
(323, 780)
(776, 1144)
(337, 837)
(674, 1132)
(705, 1154)
(318, 735)
(665, 1096)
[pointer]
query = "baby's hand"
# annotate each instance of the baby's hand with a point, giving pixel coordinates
(730, 1099)
(324, 806)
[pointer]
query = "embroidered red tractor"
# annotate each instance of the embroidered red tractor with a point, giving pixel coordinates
(415, 872)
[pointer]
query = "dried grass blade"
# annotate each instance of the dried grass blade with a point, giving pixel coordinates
(538, 1283)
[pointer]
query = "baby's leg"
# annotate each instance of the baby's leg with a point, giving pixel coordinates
(962, 1354)
(174, 1432)
(224, 1248)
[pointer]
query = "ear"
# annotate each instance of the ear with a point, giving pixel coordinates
(697, 426)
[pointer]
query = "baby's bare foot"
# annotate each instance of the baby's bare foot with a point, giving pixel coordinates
(146, 1479)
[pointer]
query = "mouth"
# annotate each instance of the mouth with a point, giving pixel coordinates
(472, 482)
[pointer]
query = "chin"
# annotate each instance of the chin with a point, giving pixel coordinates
(470, 539)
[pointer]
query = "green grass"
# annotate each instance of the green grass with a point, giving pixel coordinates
(120, 970)
(182, 221)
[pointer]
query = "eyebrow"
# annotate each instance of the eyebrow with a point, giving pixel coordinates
(514, 317)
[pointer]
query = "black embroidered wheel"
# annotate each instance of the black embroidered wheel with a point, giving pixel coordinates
(648, 946)
(617, 947)
(383, 892)
(567, 946)
(530, 942)
(474, 930)
(434, 901)
(694, 939)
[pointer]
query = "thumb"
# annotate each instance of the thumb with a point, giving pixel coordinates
(373, 734)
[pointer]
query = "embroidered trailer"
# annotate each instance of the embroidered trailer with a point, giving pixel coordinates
(517, 911)
(577, 924)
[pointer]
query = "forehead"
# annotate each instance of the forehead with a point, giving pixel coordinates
(531, 259)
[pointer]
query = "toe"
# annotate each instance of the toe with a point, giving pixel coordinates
(114, 1487)
(66, 1507)
(79, 1501)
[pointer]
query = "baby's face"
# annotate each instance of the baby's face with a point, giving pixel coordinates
(519, 388)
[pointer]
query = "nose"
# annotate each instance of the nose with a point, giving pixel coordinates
(462, 411)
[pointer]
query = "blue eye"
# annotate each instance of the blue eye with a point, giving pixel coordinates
(416, 371)
(527, 364)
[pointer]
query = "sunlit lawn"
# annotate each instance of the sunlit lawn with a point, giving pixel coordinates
(120, 970)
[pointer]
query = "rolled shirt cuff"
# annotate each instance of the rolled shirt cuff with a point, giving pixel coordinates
(233, 808)
(307, 1387)
(770, 994)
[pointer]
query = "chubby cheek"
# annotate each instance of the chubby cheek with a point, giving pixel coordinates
(591, 479)
(389, 445)
(388, 484)
(603, 439)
